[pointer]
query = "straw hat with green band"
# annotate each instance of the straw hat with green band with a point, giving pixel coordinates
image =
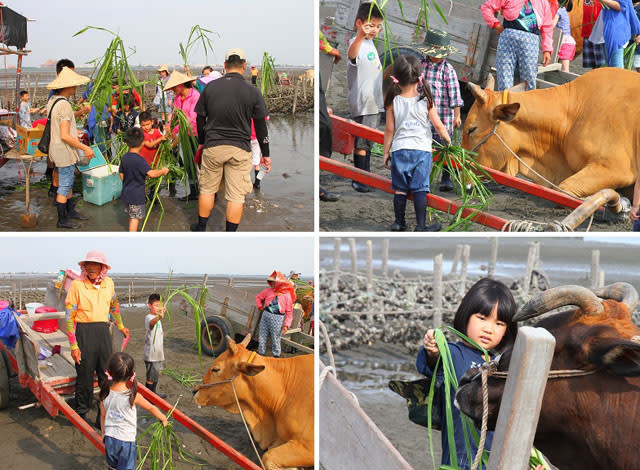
(177, 78)
(437, 44)
(67, 78)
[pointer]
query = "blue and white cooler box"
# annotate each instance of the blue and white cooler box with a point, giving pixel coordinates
(101, 181)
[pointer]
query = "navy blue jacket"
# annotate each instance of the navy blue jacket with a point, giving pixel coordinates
(464, 358)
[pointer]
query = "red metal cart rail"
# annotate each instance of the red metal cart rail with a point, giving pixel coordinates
(384, 184)
(343, 140)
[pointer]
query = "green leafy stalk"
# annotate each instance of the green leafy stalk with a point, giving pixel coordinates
(197, 34)
(629, 53)
(268, 75)
(187, 379)
(160, 450)
(198, 307)
(467, 177)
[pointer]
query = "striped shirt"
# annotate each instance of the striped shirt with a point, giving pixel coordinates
(445, 89)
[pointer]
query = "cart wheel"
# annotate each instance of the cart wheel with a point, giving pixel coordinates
(214, 343)
(4, 382)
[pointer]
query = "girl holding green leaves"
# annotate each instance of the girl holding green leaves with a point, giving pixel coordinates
(484, 316)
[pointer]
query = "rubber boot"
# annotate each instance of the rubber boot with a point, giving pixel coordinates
(172, 190)
(63, 219)
(360, 161)
(445, 182)
(72, 212)
(256, 181)
(153, 387)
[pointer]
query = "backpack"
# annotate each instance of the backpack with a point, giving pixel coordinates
(43, 145)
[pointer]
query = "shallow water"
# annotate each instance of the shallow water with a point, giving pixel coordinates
(284, 203)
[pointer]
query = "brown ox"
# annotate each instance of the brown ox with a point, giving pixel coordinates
(586, 422)
(276, 397)
(582, 136)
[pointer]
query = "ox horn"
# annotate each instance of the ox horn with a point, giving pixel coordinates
(559, 297)
(620, 292)
(478, 92)
(245, 341)
(491, 82)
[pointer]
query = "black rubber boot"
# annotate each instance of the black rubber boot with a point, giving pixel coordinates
(360, 161)
(172, 190)
(72, 212)
(63, 218)
(201, 225)
(256, 181)
(153, 387)
(445, 182)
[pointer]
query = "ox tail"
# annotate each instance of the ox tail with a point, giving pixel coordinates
(592, 204)
(560, 297)
(620, 292)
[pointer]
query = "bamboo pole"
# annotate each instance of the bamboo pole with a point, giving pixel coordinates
(437, 291)
(494, 257)
(595, 268)
(337, 242)
(601, 278)
(295, 97)
(20, 294)
(354, 255)
(129, 293)
(370, 276)
(531, 260)
(456, 260)
(466, 250)
(385, 257)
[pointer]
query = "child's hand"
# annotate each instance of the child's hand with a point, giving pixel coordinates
(430, 344)
(165, 422)
(457, 122)
(387, 157)
(163, 138)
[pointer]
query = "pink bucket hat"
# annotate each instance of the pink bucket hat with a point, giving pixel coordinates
(96, 257)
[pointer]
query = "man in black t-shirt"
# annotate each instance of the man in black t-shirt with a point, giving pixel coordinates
(224, 110)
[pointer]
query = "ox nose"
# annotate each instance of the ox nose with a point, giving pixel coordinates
(194, 391)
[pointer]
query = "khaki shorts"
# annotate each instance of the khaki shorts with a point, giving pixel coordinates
(228, 162)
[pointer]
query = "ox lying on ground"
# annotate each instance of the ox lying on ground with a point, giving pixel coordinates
(586, 422)
(582, 136)
(276, 396)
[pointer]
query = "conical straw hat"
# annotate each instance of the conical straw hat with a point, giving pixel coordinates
(67, 78)
(177, 78)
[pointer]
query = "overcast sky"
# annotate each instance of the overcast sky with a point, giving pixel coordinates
(284, 28)
(158, 253)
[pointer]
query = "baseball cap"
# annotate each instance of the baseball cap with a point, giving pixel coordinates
(235, 51)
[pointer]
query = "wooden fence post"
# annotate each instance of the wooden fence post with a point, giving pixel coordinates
(437, 291)
(385, 257)
(595, 268)
(493, 260)
(370, 280)
(522, 399)
(456, 259)
(333, 299)
(466, 250)
(531, 261)
(354, 256)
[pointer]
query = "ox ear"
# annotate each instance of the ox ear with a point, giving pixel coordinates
(250, 369)
(231, 345)
(619, 357)
(506, 112)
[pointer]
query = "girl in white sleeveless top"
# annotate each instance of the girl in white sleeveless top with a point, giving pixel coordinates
(407, 140)
(118, 418)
